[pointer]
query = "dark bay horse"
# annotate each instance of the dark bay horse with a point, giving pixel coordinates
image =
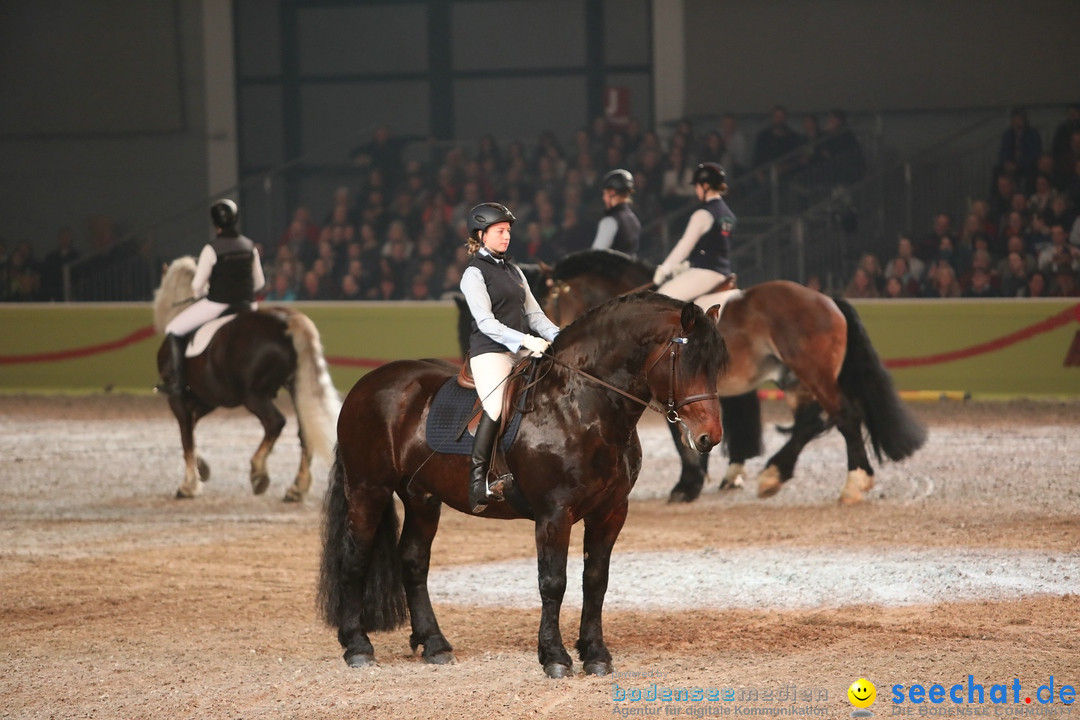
(576, 457)
(248, 360)
(814, 347)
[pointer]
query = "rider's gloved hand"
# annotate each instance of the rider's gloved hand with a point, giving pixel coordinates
(535, 345)
(660, 276)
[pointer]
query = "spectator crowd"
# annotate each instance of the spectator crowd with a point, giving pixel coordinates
(1019, 239)
(397, 232)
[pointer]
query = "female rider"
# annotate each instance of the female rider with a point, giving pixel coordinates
(699, 261)
(504, 312)
(229, 272)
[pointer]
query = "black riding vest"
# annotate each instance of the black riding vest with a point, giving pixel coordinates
(628, 236)
(507, 293)
(713, 249)
(231, 278)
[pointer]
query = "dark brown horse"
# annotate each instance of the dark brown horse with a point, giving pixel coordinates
(576, 457)
(248, 360)
(812, 346)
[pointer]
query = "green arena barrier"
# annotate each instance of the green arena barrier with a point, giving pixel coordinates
(977, 347)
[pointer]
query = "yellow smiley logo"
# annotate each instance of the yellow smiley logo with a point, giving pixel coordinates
(862, 693)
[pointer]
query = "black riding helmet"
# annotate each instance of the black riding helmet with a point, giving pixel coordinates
(711, 174)
(224, 215)
(487, 214)
(619, 180)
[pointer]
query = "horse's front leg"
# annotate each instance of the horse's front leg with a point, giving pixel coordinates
(552, 544)
(601, 531)
(299, 489)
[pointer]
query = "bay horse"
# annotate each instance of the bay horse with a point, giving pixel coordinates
(247, 361)
(812, 346)
(576, 456)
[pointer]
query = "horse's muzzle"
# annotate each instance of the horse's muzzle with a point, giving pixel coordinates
(702, 443)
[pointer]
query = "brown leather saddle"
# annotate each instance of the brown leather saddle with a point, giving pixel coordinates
(516, 383)
(728, 284)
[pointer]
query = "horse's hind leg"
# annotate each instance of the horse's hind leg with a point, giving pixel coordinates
(860, 476)
(601, 530)
(781, 466)
(695, 468)
(360, 588)
(196, 469)
(273, 423)
(418, 530)
(742, 435)
(302, 483)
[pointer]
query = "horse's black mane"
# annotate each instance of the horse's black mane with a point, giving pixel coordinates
(705, 347)
(605, 263)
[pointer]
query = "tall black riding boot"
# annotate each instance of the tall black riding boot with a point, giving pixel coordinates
(177, 345)
(487, 432)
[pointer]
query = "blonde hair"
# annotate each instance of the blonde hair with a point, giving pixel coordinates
(474, 243)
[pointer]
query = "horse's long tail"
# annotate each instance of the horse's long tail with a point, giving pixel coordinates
(357, 575)
(316, 399)
(865, 381)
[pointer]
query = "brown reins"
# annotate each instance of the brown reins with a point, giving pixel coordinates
(671, 411)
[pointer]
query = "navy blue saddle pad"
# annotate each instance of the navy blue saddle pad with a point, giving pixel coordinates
(446, 418)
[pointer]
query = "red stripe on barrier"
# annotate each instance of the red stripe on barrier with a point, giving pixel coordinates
(369, 362)
(137, 336)
(354, 362)
(1055, 321)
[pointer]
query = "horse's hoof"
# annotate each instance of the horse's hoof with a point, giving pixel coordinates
(735, 483)
(292, 496)
(599, 668)
(360, 660)
(734, 478)
(853, 497)
(181, 495)
(558, 671)
(681, 496)
(858, 481)
(440, 658)
(259, 483)
(769, 482)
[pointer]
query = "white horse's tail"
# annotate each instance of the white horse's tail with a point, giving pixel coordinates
(315, 397)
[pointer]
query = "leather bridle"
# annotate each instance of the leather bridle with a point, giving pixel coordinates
(671, 410)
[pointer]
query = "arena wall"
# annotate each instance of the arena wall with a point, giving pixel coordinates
(982, 348)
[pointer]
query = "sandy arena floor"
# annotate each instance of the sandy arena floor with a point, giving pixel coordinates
(120, 602)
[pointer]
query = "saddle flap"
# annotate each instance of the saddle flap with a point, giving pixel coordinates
(514, 386)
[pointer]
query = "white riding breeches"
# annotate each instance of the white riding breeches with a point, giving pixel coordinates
(489, 372)
(195, 316)
(692, 284)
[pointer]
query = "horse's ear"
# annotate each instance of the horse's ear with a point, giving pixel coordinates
(164, 268)
(689, 314)
(714, 313)
(546, 270)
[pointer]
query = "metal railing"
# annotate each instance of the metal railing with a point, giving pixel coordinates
(799, 224)
(792, 224)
